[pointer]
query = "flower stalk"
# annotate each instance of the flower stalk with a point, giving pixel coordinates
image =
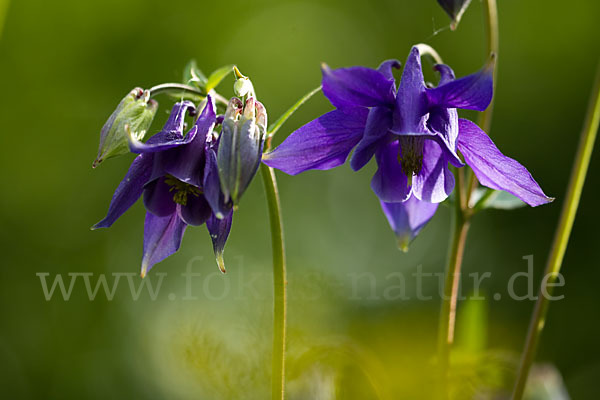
(561, 238)
(279, 284)
(460, 228)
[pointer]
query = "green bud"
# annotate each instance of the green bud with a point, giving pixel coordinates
(133, 114)
(242, 86)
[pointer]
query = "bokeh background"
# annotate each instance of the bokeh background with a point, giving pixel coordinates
(65, 64)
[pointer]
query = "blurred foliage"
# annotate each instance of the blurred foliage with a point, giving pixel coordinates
(65, 64)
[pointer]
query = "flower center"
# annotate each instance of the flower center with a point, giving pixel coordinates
(410, 155)
(181, 190)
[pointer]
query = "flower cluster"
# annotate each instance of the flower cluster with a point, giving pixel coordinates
(194, 178)
(413, 132)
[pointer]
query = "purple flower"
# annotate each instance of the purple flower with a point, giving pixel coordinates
(413, 132)
(178, 178)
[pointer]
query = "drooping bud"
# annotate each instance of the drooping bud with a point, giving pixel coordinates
(135, 114)
(454, 9)
(240, 146)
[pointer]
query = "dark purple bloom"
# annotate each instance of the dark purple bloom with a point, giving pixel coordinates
(414, 133)
(178, 178)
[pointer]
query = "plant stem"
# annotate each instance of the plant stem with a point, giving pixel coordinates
(447, 320)
(279, 284)
(181, 87)
(491, 24)
(561, 238)
(490, 9)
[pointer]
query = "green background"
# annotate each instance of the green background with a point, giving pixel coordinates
(64, 65)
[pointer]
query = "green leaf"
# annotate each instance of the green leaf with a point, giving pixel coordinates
(217, 76)
(489, 198)
(281, 120)
(193, 74)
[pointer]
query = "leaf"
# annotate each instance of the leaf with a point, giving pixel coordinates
(281, 120)
(193, 74)
(484, 198)
(217, 76)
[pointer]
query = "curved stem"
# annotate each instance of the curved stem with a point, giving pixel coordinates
(174, 87)
(450, 296)
(490, 9)
(279, 284)
(561, 238)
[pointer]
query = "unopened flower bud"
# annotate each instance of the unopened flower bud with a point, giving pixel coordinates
(454, 9)
(240, 146)
(243, 85)
(135, 114)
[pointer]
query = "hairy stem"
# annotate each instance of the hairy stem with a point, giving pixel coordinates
(279, 284)
(561, 237)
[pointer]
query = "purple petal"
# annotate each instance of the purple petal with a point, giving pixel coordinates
(219, 232)
(321, 144)
(196, 210)
(162, 237)
(357, 87)
(434, 182)
(186, 162)
(472, 92)
(387, 69)
(212, 185)
(377, 128)
(129, 190)
(158, 198)
(389, 182)
(411, 100)
(446, 73)
(408, 218)
(493, 169)
(170, 136)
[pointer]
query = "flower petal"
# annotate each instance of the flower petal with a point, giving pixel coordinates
(408, 218)
(376, 133)
(170, 136)
(434, 182)
(212, 185)
(387, 67)
(219, 232)
(411, 101)
(472, 92)
(323, 143)
(129, 190)
(493, 169)
(158, 198)
(389, 182)
(162, 237)
(357, 87)
(196, 210)
(186, 162)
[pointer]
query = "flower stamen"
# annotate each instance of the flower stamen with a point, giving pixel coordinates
(181, 190)
(410, 155)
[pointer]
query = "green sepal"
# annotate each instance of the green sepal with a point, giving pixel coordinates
(134, 113)
(193, 75)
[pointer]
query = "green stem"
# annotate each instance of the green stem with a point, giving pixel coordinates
(181, 87)
(491, 23)
(450, 296)
(561, 238)
(3, 12)
(490, 9)
(279, 284)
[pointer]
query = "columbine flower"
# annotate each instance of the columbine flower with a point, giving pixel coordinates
(178, 178)
(414, 133)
